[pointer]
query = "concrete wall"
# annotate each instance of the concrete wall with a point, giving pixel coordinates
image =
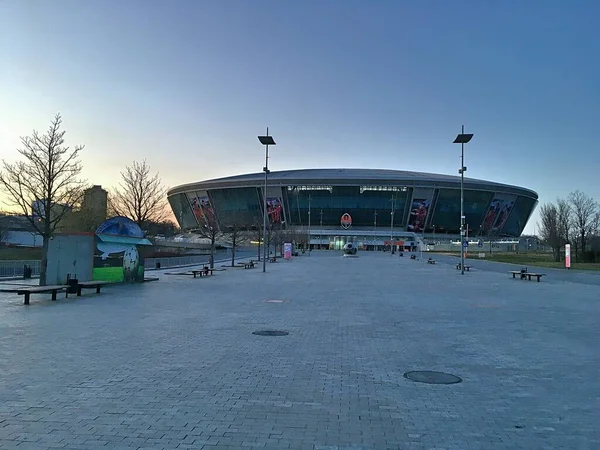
(72, 254)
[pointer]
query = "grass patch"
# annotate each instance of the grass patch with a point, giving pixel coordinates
(113, 274)
(536, 259)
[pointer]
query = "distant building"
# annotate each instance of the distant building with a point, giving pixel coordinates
(38, 209)
(91, 213)
(15, 222)
(85, 218)
(16, 230)
(95, 202)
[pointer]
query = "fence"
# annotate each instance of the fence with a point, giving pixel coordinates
(9, 269)
(15, 268)
(156, 263)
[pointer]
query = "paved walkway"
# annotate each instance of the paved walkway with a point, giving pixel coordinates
(174, 363)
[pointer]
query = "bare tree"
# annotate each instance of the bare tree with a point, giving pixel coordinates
(492, 234)
(235, 235)
(164, 227)
(209, 229)
(277, 239)
(140, 195)
(87, 220)
(550, 228)
(45, 185)
(294, 237)
(82, 219)
(584, 210)
(565, 223)
(270, 237)
(257, 232)
(301, 238)
(3, 228)
(596, 224)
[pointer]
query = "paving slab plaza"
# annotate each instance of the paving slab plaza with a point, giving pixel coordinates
(174, 363)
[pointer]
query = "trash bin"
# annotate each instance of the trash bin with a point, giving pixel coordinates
(72, 283)
(27, 271)
(158, 264)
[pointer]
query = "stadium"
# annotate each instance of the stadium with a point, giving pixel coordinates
(369, 207)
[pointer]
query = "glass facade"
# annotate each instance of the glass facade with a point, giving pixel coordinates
(485, 211)
(446, 214)
(183, 211)
(475, 205)
(518, 217)
(329, 203)
(237, 206)
(446, 217)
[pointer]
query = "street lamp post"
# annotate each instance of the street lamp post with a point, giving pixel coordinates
(467, 239)
(375, 231)
(321, 226)
(434, 235)
(266, 141)
(393, 200)
(309, 199)
(462, 139)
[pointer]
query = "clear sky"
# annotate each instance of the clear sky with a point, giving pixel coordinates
(189, 84)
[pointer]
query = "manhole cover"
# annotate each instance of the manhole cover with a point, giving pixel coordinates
(430, 377)
(270, 333)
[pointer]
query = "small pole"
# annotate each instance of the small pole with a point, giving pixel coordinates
(462, 212)
(309, 199)
(392, 226)
(375, 231)
(265, 213)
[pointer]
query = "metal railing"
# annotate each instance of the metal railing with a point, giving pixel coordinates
(16, 268)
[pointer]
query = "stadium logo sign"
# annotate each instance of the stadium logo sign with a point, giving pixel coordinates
(346, 221)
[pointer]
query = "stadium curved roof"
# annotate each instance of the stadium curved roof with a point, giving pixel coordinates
(340, 177)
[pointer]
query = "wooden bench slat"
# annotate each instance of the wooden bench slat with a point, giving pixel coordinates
(94, 283)
(33, 289)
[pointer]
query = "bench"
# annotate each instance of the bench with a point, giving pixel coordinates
(527, 275)
(90, 285)
(202, 272)
(467, 268)
(27, 291)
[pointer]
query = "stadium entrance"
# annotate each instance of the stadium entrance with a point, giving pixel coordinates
(364, 240)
